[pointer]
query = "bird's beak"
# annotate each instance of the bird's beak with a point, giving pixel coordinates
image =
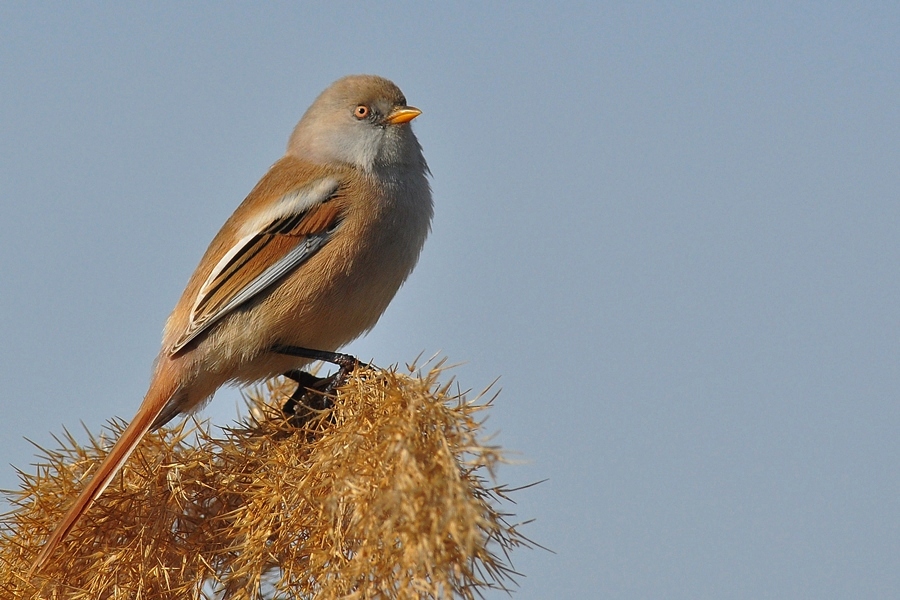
(403, 114)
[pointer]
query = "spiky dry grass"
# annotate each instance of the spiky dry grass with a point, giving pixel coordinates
(389, 494)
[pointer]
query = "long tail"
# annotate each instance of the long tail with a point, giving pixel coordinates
(161, 389)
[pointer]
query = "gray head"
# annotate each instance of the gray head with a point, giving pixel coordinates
(361, 120)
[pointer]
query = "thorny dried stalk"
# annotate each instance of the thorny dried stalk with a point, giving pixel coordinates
(388, 494)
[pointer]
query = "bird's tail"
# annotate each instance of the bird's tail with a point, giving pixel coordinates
(163, 387)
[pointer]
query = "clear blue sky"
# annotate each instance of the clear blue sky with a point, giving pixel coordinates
(672, 231)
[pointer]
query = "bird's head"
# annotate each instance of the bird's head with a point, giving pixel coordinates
(362, 120)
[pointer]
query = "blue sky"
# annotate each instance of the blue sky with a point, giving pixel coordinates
(670, 229)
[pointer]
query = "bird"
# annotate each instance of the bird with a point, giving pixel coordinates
(307, 262)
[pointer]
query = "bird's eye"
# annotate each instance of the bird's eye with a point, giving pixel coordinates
(361, 112)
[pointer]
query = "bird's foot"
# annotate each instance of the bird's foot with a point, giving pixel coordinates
(310, 398)
(313, 394)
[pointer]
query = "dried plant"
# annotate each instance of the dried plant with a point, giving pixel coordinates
(388, 494)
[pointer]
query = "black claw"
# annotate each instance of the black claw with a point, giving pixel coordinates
(308, 399)
(313, 393)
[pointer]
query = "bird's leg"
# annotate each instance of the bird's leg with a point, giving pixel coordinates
(345, 361)
(312, 393)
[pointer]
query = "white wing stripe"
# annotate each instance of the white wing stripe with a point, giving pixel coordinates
(293, 203)
(220, 266)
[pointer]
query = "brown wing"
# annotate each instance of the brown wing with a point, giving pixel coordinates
(259, 260)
